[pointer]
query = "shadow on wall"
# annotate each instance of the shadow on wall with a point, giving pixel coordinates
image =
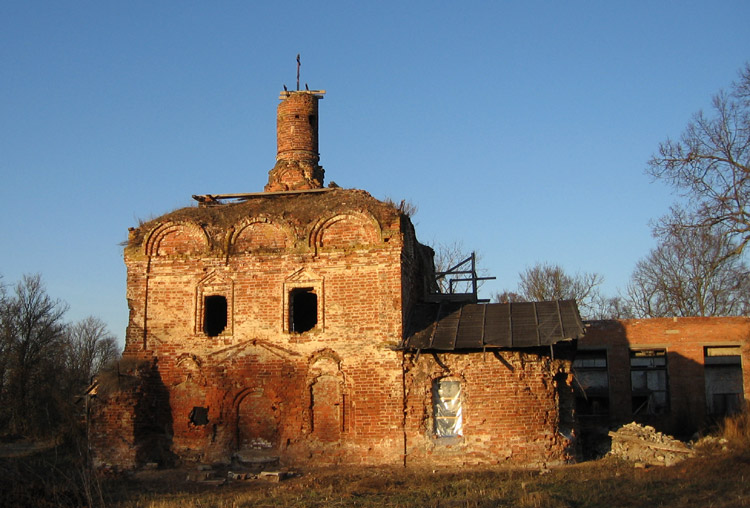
(152, 430)
(651, 379)
(136, 377)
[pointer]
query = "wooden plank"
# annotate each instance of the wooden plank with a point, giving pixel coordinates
(213, 197)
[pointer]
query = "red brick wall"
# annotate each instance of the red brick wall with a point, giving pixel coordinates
(328, 395)
(516, 409)
(333, 394)
(297, 144)
(297, 126)
(684, 340)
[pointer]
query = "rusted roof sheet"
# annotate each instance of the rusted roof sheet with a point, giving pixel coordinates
(451, 326)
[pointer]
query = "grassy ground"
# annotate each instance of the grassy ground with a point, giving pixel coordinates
(713, 480)
(716, 478)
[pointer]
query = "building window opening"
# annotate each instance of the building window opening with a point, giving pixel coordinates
(592, 383)
(199, 416)
(724, 384)
(446, 405)
(214, 315)
(648, 378)
(303, 310)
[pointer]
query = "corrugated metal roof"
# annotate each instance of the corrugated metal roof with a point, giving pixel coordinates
(451, 326)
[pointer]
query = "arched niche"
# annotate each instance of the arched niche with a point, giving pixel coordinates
(258, 420)
(346, 230)
(260, 234)
(176, 239)
(327, 396)
(190, 369)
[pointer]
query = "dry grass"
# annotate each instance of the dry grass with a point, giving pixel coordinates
(736, 429)
(297, 210)
(715, 479)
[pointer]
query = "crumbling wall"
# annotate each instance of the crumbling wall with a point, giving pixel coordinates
(253, 384)
(129, 418)
(515, 408)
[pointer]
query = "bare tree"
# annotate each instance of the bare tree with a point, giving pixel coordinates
(614, 307)
(6, 335)
(90, 346)
(33, 338)
(710, 167)
(691, 273)
(508, 297)
(545, 281)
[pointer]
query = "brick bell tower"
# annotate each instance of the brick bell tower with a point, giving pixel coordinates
(297, 154)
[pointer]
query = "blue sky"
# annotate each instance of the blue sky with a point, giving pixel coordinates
(520, 129)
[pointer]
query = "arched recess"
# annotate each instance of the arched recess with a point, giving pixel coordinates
(257, 420)
(191, 410)
(176, 239)
(346, 230)
(260, 234)
(327, 397)
(190, 369)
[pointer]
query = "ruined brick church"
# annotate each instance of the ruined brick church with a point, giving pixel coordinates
(305, 323)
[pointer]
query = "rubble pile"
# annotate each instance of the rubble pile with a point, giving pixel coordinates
(643, 445)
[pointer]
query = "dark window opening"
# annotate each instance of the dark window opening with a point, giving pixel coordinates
(199, 416)
(723, 377)
(311, 119)
(214, 315)
(303, 310)
(591, 383)
(648, 379)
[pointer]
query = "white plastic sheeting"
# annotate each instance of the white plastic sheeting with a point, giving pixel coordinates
(446, 403)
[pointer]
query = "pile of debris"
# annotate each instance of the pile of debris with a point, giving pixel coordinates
(208, 475)
(643, 445)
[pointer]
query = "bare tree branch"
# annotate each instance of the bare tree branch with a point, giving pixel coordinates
(690, 273)
(544, 281)
(710, 166)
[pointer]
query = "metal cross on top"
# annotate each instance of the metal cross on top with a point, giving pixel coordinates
(298, 64)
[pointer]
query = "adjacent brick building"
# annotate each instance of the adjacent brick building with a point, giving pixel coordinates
(292, 323)
(677, 374)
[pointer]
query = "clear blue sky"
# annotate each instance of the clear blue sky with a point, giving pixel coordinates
(521, 129)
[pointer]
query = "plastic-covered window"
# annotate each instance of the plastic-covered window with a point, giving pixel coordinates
(446, 403)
